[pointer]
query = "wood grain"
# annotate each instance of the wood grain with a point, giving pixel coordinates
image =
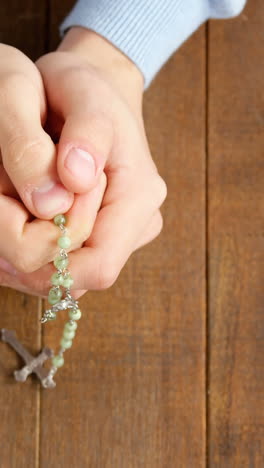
(236, 242)
(22, 25)
(57, 12)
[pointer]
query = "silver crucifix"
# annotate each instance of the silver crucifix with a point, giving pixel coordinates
(32, 364)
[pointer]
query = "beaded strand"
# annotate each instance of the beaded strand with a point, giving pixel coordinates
(62, 279)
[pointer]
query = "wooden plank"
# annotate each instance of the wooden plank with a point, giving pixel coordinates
(236, 266)
(19, 403)
(22, 24)
(57, 13)
(132, 391)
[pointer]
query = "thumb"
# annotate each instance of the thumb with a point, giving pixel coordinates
(28, 153)
(85, 144)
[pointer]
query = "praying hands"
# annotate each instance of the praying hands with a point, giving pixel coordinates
(72, 141)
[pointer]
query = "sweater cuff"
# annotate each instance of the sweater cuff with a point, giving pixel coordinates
(147, 31)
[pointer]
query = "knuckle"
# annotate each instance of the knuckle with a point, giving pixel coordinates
(106, 275)
(156, 227)
(162, 190)
(10, 79)
(19, 144)
(106, 279)
(20, 150)
(159, 189)
(159, 224)
(23, 262)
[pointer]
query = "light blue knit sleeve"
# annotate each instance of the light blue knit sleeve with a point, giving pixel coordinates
(148, 31)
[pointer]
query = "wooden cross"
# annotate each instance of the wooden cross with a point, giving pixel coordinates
(32, 364)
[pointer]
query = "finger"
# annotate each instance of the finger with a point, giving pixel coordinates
(114, 237)
(152, 230)
(28, 154)
(87, 134)
(84, 146)
(10, 281)
(33, 244)
(77, 293)
(119, 223)
(6, 186)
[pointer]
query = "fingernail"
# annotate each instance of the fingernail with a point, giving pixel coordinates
(50, 199)
(7, 267)
(81, 164)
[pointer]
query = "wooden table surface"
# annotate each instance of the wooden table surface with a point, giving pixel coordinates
(167, 368)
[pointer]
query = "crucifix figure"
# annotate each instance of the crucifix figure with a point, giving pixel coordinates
(32, 364)
(64, 304)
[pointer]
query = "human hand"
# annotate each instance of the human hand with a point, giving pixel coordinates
(33, 243)
(94, 96)
(28, 161)
(27, 151)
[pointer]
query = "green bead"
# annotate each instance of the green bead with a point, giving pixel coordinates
(64, 242)
(52, 300)
(66, 344)
(70, 326)
(68, 334)
(59, 219)
(61, 262)
(58, 361)
(68, 281)
(54, 295)
(56, 279)
(75, 314)
(55, 291)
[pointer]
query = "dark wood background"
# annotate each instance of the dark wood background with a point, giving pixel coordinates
(167, 367)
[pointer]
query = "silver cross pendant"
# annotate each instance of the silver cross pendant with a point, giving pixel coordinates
(32, 364)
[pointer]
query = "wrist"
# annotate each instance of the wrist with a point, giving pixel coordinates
(104, 56)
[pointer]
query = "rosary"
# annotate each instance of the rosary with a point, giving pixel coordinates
(60, 279)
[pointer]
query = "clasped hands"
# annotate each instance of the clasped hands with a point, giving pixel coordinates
(72, 141)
